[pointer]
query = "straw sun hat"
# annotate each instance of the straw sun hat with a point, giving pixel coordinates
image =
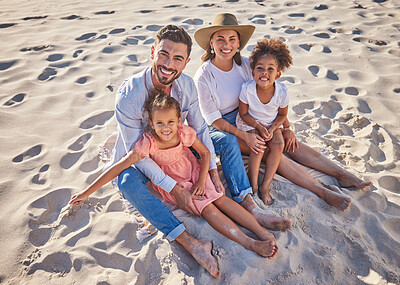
(224, 21)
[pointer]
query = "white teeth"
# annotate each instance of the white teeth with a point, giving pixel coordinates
(226, 51)
(165, 71)
(264, 79)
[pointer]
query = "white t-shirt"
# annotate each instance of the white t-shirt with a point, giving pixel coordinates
(260, 111)
(228, 85)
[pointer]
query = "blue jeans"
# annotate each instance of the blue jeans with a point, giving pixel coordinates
(227, 147)
(132, 185)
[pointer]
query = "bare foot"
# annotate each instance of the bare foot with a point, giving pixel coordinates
(265, 248)
(265, 195)
(349, 180)
(268, 221)
(267, 236)
(337, 200)
(201, 251)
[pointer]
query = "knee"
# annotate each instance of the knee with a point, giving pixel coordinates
(276, 145)
(128, 180)
(231, 143)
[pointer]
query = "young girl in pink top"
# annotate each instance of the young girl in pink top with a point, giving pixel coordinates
(167, 144)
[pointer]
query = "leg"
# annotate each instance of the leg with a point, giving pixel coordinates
(241, 216)
(275, 145)
(227, 147)
(132, 184)
(201, 252)
(313, 159)
(298, 175)
(254, 168)
(227, 227)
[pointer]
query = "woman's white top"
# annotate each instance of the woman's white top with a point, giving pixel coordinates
(218, 90)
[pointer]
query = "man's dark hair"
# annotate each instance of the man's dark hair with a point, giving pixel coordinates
(175, 34)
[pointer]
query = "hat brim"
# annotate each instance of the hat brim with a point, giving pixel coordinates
(203, 35)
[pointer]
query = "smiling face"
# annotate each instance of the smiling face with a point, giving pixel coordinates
(165, 123)
(169, 60)
(225, 44)
(265, 71)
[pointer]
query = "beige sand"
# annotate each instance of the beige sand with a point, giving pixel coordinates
(60, 65)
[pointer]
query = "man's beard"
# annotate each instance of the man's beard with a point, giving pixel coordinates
(162, 80)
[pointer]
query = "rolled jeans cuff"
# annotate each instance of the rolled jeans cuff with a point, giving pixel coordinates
(239, 198)
(176, 232)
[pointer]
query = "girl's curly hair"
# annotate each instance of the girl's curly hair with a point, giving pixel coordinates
(158, 100)
(274, 47)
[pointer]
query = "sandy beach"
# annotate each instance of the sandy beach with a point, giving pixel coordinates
(60, 66)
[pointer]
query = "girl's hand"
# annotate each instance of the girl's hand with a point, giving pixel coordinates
(291, 143)
(217, 181)
(265, 133)
(198, 190)
(255, 142)
(78, 199)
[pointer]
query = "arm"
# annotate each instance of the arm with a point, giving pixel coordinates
(280, 118)
(199, 185)
(131, 158)
(291, 143)
(248, 119)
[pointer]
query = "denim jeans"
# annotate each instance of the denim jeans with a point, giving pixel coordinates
(132, 185)
(227, 147)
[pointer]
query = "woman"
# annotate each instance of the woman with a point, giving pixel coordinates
(218, 82)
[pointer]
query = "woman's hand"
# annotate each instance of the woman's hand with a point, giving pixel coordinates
(78, 199)
(255, 142)
(291, 143)
(217, 181)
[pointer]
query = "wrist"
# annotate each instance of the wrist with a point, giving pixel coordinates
(288, 128)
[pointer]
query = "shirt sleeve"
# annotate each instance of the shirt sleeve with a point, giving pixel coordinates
(243, 94)
(285, 97)
(196, 121)
(187, 135)
(208, 105)
(145, 146)
(130, 120)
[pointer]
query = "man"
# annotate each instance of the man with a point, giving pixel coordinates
(170, 54)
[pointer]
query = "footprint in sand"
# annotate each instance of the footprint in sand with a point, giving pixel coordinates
(83, 79)
(96, 120)
(72, 17)
(40, 178)
(4, 65)
(77, 53)
(55, 57)
(292, 30)
(108, 260)
(37, 48)
(322, 72)
(321, 7)
(68, 160)
(34, 18)
(91, 165)
(117, 31)
(258, 20)
(16, 100)
(297, 15)
(194, 21)
(48, 73)
(390, 183)
(370, 41)
(29, 154)
(145, 11)
(104, 12)
(363, 106)
(315, 48)
(59, 262)
(7, 25)
(290, 79)
(322, 35)
(153, 28)
(330, 108)
(86, 36)
(300, 109)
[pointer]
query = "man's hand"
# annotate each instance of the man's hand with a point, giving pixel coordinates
(291, 142)
(184, 200)
(217, 181)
